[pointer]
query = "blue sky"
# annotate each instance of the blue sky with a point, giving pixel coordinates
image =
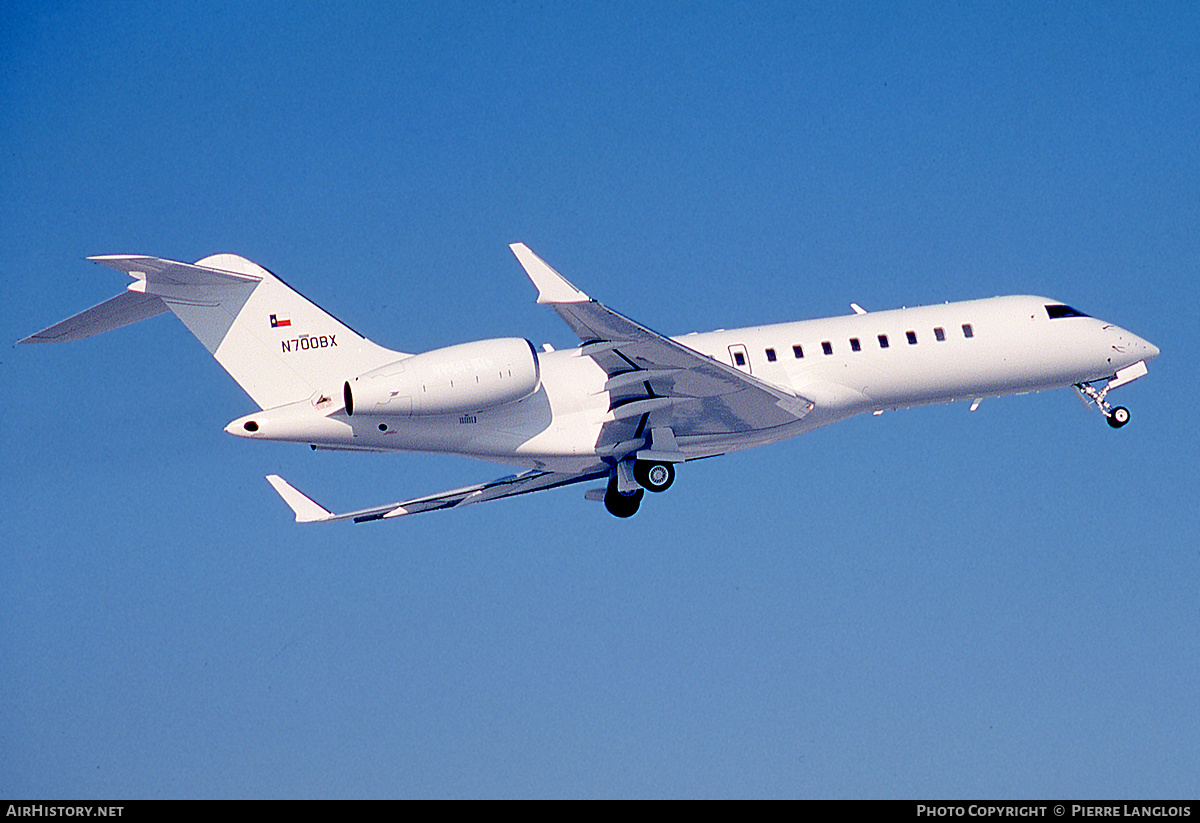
(930, 603)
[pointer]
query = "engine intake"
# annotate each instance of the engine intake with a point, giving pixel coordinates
(464, 378)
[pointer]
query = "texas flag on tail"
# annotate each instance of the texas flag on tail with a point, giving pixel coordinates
(276, 323)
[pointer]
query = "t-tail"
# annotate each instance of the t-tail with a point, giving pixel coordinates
(278, 346)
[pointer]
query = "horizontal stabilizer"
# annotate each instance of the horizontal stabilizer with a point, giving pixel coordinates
(127, 307)
(225, 268)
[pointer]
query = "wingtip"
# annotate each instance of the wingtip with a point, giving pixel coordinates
(552, 287)
(306, 509)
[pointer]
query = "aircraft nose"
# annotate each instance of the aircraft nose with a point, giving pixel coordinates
(1129, 344)
(1141, 347)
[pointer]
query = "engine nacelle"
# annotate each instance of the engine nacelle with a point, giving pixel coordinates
(464, 378)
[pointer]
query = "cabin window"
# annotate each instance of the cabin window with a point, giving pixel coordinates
(912, 337)
(827, 347)
(854, 345)
(739, 358)
(798, 352)
(770, 355)
(968, 330)
(939, 334)
(883, 341)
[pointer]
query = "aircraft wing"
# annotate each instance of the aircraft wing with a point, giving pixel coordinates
(651, 374)
(309, 511)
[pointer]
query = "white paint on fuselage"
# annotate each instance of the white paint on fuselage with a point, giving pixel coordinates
(1014, 347)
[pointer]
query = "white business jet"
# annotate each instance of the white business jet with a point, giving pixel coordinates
(627, 405)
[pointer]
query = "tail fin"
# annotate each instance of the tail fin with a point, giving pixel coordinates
(278, 346)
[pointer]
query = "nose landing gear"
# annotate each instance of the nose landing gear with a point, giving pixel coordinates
(1116, 416)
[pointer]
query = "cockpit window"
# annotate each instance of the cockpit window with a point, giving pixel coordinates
(1057, 310)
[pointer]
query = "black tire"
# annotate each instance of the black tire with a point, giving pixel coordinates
(1118, 417)
(655, 477)
(622, 505)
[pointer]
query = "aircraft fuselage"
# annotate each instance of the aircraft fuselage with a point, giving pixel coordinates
(847, 365)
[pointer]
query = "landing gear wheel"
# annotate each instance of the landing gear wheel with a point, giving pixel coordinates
(1118, 417)
(656, 477)
(622, 505)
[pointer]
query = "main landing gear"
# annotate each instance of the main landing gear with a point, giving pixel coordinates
(655, 477)
(619, 503)
(628, 484)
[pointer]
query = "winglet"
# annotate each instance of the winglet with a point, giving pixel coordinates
(552, 287)
(307, 510)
